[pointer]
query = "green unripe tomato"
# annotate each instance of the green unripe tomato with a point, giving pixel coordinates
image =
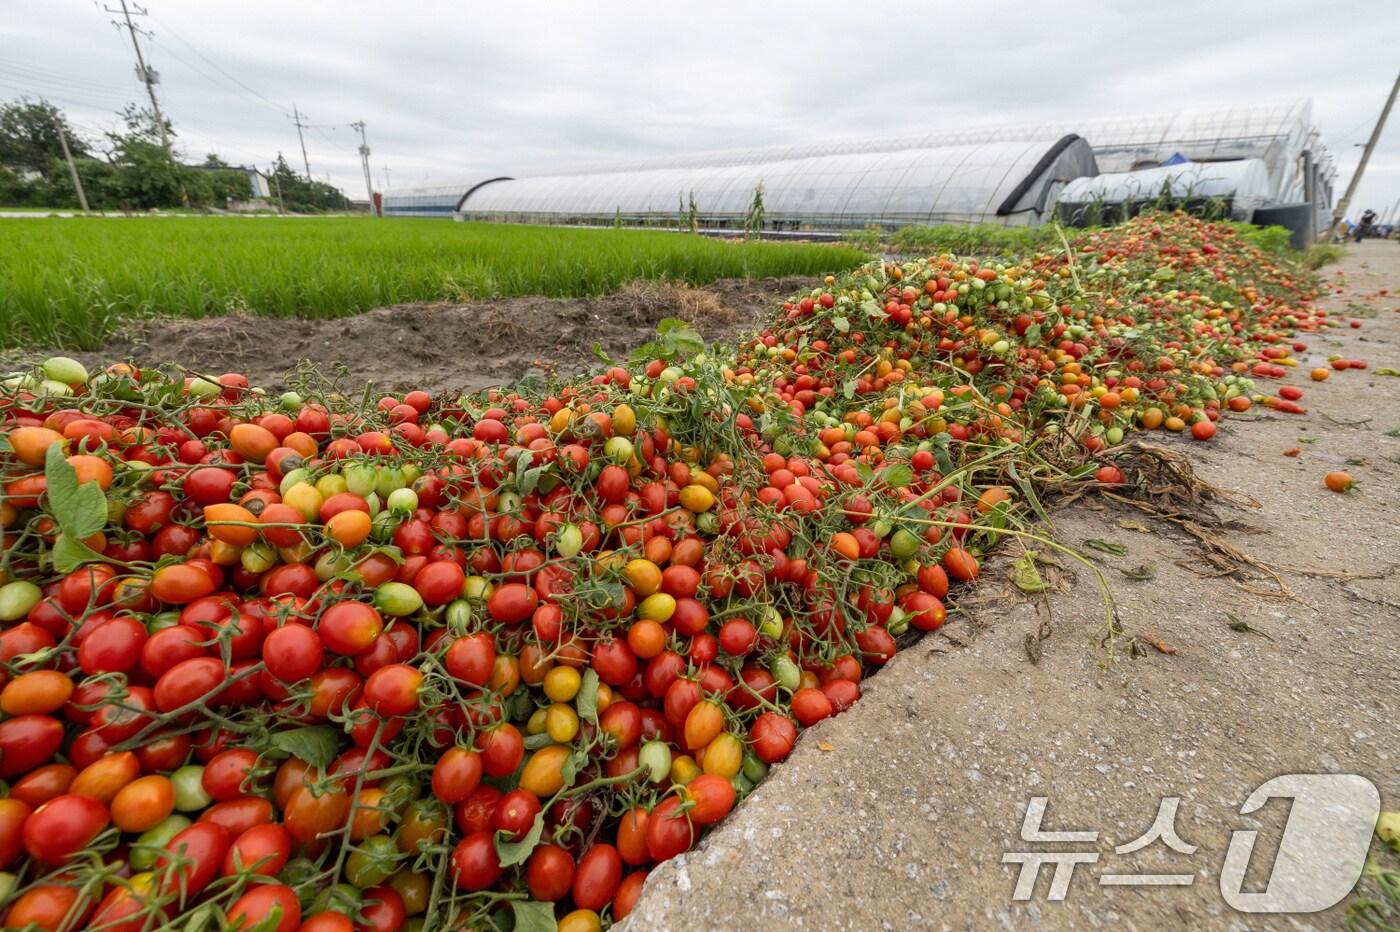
(17, 598)
(397, 599)
(403, 501)
(360, 479)
(65, 369)
(203, 388)
(903, 544)
(371, 863)
(655, 756)
(152, 842)
(189, 788)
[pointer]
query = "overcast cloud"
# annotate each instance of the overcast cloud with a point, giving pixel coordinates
(462, 90)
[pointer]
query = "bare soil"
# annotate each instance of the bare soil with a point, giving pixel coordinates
(444, 347)
(896, 814)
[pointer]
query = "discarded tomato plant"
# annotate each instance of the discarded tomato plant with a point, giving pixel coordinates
(327, 661)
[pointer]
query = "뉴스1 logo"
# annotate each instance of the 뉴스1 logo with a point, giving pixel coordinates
(1320, 855)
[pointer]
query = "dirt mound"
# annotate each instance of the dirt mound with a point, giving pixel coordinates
(445, 347)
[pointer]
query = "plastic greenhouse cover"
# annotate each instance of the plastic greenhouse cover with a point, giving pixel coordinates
(1245, 183)
(1276, 132)
(958, 183)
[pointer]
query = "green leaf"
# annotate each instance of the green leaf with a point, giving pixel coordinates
(1386, 370)
(518, 852)
(535, 742)
(1032, 335)
(200, 919)
(848, 388)
(81, 510)
(69, 553)
(1106, 546)
(271, 922)
(679, 339)
(1024, 574)
(898, 476)
(841, 324)
(586, 702)
(603, 357)
(533, 916)
(575, 763)
(865, 472)
(940, 454)
(315, 744)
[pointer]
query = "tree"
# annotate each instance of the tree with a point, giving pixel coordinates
(29, 135)
(148, 174)
(212, 160)
(302, 196)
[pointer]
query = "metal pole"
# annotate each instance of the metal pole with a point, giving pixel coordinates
(72, 168)
(364, 162)
(277, 180)
(296, 118)
(145, 72)
(1310, 197)
(1341, 211)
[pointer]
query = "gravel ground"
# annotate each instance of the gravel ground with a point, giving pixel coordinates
(896, 814)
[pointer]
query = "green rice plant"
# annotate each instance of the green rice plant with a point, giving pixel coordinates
(70, 283)
(980, 240)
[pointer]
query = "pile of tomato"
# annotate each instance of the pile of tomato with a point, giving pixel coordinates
(316, 662)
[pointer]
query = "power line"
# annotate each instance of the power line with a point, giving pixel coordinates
(219, 68)
(61, 98)
(25, 73)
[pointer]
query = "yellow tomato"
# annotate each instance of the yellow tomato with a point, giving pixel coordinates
(562, 683)
(643, 576)
(696, 498)
(657, 607)
(724, 755)
(543, 773)
(580, 920)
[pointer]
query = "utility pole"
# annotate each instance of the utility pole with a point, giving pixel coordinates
(296, 118)
(1340, 214)
(72, 168)
(277, 180)
(148, 75)
(364, 161)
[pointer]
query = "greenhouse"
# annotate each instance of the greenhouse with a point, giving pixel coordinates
(1280, 134)
(1008, 175)
(1233, 189)
(437, 201)
(1003, 182)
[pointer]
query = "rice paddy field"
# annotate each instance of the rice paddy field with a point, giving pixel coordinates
(71, 283)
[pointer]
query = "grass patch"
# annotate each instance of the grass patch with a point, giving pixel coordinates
(1319, 254)
(981, 240)
(69, 283)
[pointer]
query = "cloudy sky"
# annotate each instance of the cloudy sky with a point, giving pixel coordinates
(462, 90)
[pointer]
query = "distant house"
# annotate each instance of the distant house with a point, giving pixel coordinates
(258, 183)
